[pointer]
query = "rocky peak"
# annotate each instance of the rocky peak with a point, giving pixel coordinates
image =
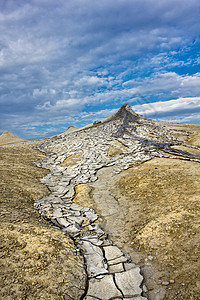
(125, 109)
(125, 113)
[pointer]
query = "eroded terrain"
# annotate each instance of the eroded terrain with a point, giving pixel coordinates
(141, 241)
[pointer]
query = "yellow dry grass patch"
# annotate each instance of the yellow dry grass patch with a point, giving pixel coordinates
(191, 150)
(38, 263)
(9, 138)
(162, 196)
(71, 160)
(115, 149)
(194, 133)
(83, 195)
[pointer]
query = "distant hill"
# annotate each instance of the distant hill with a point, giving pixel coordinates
(71, 129)
(9, 138)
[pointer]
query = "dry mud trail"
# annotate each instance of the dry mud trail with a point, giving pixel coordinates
(112, 166)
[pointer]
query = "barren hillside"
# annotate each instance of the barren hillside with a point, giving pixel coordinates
(9, 138)
(37, 261)
(141, 177)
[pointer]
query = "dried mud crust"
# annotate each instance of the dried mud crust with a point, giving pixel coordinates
(37, 261)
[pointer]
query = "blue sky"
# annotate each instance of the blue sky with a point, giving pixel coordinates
(71, 62)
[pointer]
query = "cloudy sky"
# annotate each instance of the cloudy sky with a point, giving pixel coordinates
(71, 62)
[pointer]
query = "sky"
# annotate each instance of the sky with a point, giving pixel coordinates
(71, 62)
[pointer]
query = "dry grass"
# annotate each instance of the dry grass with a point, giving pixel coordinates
(37, 261)
(71, 160)
(9, 138)
(115, 149)
(83, 195)
(163, 195)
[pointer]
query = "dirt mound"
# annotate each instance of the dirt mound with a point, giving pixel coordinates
(9, 138)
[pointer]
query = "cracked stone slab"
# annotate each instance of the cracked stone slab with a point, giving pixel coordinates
(63, 222)
(94, 259)
(91, 216)
(118, 260)
(93, 240)
(70, 213)
(118, 268)
(57, 213)
(129, 282)
(103, 288)
(96, 228)
(90, 298)
(72, 229)
(112, 252)
(75, 206)
(129, 266)
(76, 219)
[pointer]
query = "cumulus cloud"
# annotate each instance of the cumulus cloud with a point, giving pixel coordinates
(91, 81)
(61, 58)
(181, 109)
(164, 86)
(70, 105)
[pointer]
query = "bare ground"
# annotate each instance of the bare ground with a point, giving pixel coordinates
(151, 211)
(37, 261)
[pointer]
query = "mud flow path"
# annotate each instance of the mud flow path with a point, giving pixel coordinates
(98, 155)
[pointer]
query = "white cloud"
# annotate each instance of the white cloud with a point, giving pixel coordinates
(91, 81)
(101, 114)
(176, 109)
(62, 57)
(39, 92)
(168, 82)
(70, 104)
